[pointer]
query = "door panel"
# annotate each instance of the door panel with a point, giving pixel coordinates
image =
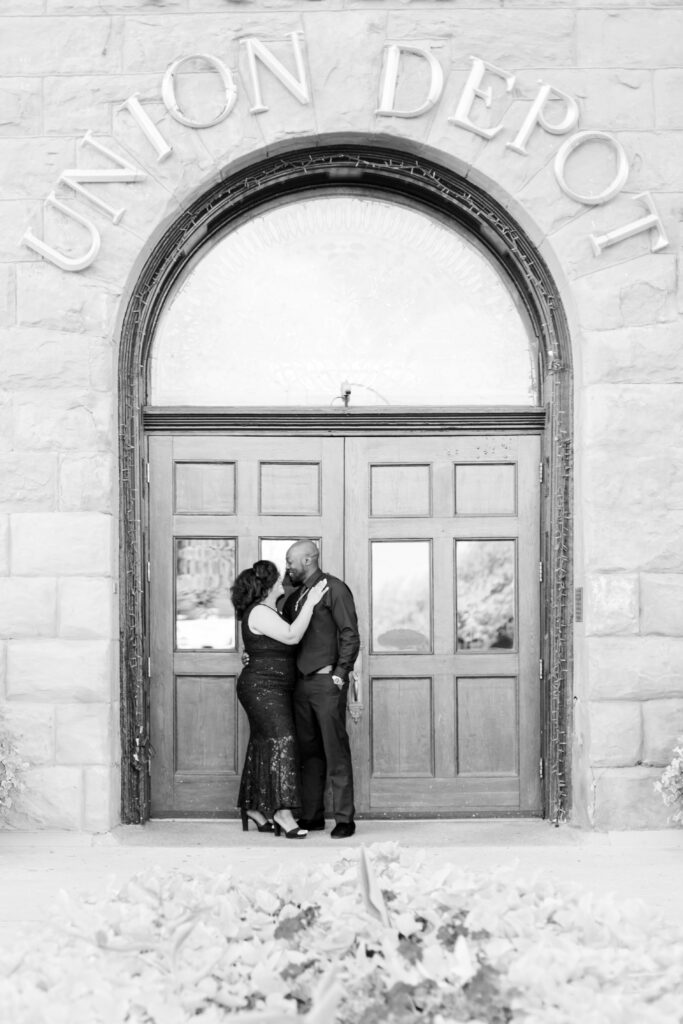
(446, 579)
(217, 504)
(437, 538)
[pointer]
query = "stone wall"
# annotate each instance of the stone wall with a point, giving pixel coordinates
(65, 68)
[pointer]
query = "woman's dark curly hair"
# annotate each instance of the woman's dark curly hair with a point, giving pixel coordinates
(252, 585)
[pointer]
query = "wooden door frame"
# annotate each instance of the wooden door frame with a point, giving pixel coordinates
(378, 167)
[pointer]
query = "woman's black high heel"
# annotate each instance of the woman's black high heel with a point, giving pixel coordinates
(294, 833)
(267, 826)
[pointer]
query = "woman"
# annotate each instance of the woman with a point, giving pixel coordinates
(270, 786)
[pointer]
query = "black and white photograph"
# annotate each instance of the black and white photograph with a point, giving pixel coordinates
(341, 511)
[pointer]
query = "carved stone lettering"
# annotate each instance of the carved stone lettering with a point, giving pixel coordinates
(390, 81)
(614, 187)
(147, 125)
(298, 86)
(651, 222)
(124, 171)
(536, 116)
(60, 260)
(168, 93)
(473, 91)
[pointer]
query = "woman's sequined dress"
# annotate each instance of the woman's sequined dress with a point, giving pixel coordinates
(270, 778)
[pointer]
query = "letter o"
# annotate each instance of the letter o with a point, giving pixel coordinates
(568, 147)
(169, 96)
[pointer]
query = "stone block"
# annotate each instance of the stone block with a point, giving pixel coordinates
(191, 167)
(28, 482)
(53, 798)
(20, 106)
(571, 227)
(4, 545)
(61, 544)
(654, 161)
(66, 45)
(662, 730)
(86, 608)
(31, 167)
(634, 668)
(33, 729)
(631, 415)
(668, 88)
(616, 540)
(68, 420)
(8, 295)
(609, 99)
(643, 291)
(60, 671)
(16, 215)
(76, 104)
(611, 604)
(648, 482)
(345, 101)
(32, 357)
(28, 607)
(626, 798)
(114, 6)
(83, 734)
(510, 39)
(648, 354)
(153, 41)
(661, 599)
(52, 298)
(616, 733)
(86, 483)
(629, 39)
(102, 799)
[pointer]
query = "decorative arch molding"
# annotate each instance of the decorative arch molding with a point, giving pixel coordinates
(382, 168)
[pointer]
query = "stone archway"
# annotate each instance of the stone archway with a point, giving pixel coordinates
(390, 171)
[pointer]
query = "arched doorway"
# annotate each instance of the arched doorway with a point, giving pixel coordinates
(404, 477)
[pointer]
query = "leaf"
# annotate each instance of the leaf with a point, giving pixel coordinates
(372, 894)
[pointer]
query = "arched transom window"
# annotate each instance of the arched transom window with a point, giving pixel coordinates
(337, 295)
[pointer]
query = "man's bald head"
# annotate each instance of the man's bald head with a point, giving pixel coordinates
(302, 560)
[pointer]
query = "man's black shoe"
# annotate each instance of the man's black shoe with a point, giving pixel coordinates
(312, 824)
(343, 830)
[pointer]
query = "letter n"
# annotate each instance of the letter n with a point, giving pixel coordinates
(297, 86)
(75, 177)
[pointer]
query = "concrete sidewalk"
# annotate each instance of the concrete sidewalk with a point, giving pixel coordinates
(34, 866)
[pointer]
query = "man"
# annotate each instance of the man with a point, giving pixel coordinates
(325, 657)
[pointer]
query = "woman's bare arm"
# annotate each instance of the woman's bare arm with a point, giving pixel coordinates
(265, 621)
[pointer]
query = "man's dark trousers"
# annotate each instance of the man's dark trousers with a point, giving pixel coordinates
(320, 719)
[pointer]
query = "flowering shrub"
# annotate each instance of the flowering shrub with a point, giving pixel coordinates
(380, 939)
(670, 786)
(11, 765)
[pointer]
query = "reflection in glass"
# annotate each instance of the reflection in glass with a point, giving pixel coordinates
(485, 594)
(205, 571)
(340, 288)
(401, 597)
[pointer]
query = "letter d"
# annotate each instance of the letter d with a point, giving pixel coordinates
(387, 96)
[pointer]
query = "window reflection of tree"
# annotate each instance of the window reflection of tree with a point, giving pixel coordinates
(485, 595)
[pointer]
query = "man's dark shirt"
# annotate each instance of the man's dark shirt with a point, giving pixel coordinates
(332, 637)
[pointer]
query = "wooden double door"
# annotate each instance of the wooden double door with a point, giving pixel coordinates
(438, 538)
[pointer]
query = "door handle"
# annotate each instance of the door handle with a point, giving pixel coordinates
(355, 706)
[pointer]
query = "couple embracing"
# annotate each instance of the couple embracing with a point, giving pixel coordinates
(294, 690)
